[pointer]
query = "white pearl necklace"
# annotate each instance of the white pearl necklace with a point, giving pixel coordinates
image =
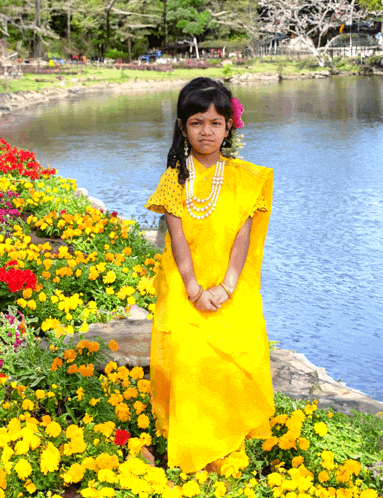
(212, 197)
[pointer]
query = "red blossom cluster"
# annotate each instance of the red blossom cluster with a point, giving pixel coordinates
(121, 437)
(22, 161)
(17, 279)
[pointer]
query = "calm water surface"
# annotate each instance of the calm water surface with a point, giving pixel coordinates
(322, 273)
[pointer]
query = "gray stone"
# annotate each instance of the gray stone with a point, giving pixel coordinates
(81, 190)
(298, 378)
(132, 336)
(97, 203)
(137, 313)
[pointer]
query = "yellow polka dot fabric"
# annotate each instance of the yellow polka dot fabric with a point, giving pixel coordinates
(168, 194)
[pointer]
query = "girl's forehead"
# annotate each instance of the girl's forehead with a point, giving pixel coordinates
(210, 113)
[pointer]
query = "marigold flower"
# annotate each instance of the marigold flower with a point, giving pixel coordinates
(75, 473)
(40, 394)
(320, 428)
(87, 419)
(53, 429)
(23, 468)
(80, 393)
(86, 370)
(93, 347)
(130, 392)
(274, 479)
(190, 489)
(123, 413)
(304, 444)
(72, 369)
(323, 476)
(137, 373)
(297, 461)
(70, 355)
(94, 401)
(27, 404)
(30, 487)
(106, 461)
(143, 421)
(144, 386)
(139, 407)
(113, 345)
(352, 467)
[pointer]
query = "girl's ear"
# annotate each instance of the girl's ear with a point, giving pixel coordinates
(183, 131)
(229, 124)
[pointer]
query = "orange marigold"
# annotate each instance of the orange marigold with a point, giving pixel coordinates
(113, 345)
(57, 362)
(70, 355)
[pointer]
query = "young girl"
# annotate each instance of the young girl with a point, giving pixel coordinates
(209, 366)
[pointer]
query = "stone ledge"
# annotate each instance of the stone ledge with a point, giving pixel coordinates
(292, 373)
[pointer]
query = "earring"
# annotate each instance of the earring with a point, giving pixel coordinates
(224, 143)
(186, 147)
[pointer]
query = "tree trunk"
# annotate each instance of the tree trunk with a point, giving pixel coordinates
(69, 14)
(38, 25)
(166, 23)
(130, 49)
(196, 47)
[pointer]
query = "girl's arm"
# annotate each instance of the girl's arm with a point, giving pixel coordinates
(184, 262)
(237, 261)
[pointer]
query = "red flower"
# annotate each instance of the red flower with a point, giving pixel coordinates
(114, 214)
(17, 279)
(121, 437)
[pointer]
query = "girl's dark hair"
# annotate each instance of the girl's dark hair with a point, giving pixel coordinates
(197, 96)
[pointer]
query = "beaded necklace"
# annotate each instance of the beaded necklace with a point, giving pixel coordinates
(217, 182)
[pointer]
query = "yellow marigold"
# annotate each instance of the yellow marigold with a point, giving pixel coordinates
(190, 489)
(42, 297)
(112, 365)
(202, 476)
(80, 393)
(23, 468)
(75, 473)
(297, 461)
(220, 489)
(87, 419)
(30, 487)
(94, 401)
(146, 438)
(27, 293)
(3, 479)
(109, 278)
(139, 407)
(304, 444)
(123, 413)
(274, 479)
(368, 493)
(320, 428)
(53, 429)
(106, 428)
(89, 463)
(115, 399)
(287, 441)
(143, 421)
(130, 392)
(107, 475)
(21, 447)
(269, 443)
(352, 467)
(106, 461)
(127, 251)
(342, 475)
(323, 476)
(137, 373)
(143, 386)
(40, 394)
(113, 345)
(27, 404)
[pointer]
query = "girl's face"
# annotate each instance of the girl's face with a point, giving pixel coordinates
(206, 131)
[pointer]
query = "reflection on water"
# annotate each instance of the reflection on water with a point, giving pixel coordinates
(323, 269)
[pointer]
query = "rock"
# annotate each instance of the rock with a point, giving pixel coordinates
(81, 190)
(132, 336)
(4, 108)
(74, 80)
(137, 313)
(298, 378)
(97, 203)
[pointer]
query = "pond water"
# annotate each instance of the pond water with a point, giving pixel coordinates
(322, 273)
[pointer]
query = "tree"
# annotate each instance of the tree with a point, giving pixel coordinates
(310, 20)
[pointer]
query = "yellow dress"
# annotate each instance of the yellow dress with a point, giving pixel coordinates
(210, 371)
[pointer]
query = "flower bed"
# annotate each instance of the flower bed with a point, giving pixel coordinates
(65, 427)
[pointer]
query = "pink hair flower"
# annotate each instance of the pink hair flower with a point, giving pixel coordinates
(238, 110)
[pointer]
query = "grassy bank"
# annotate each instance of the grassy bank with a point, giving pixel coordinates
(87, 76)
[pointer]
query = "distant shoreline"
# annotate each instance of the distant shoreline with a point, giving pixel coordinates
(18, 100)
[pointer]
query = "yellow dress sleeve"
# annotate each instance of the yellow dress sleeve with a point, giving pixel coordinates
(168, 194)
(261, 205)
